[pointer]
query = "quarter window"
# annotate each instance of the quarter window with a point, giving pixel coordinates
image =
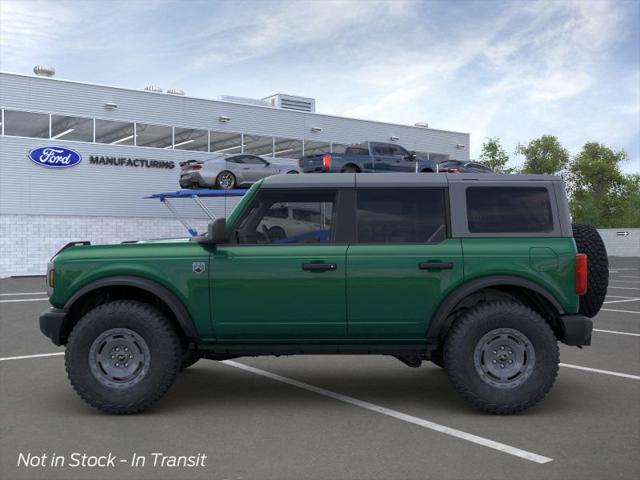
(509, 210)
(268, 220)
(401, 216)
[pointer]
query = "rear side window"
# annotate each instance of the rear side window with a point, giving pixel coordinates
(509, 210)
(401, 216)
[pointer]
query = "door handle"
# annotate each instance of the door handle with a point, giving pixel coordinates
(435, 265)
(319, 267)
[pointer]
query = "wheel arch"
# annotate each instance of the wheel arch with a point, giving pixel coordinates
(355, 166)
(135, 288)
(475, 291)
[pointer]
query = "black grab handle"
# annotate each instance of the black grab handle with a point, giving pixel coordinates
(319, 267)
(435, 265)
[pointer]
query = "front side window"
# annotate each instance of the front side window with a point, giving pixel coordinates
(26, 124)
(509, 210)
(268, 220)
(253, 160)
(401, 216)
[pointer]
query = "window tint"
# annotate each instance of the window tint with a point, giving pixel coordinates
(268, 220)
(26, 124)
(509, 210)
(252, 160)
(157, 136)
(401, 216)
(71, 128)
(115, 133)
(357, 151)
(238, 159)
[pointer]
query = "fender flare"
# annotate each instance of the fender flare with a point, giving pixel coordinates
(169, 298)
(439, 319)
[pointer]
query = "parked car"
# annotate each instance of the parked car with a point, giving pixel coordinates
(368, 157)
(284, 223)
(461, 166)
(479, 275)
(232, 171)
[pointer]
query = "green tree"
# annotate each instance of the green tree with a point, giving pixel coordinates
(599, 191)
(543, 155)
(494, 156)
(631, 201)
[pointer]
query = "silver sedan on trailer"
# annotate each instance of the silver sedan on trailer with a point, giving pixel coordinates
(233, 171)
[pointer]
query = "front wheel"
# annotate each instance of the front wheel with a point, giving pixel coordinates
(502, 357)
(123, 356)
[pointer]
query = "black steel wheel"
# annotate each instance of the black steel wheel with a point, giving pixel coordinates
(122, 356)
(226, 180)
(502, 357)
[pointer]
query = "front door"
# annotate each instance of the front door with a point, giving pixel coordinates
(402, 264)
(285, 278)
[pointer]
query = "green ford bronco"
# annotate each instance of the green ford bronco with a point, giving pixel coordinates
(480, 274)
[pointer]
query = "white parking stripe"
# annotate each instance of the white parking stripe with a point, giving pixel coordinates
(24, 300)
(623, 288)
(624, 281)
(628, 276)
(616, 332)
(22, 293)
(626, 300)
(620, 268)
(22, 357)
(597, 370)
(619, 311)
(485, 442)
(617, 296)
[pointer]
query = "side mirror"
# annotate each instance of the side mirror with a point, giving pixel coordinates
(266, 164)
(217, 230)
(411, 156)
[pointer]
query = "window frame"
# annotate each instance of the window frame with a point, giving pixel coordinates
(445, 203)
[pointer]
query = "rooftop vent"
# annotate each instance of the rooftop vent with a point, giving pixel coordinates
(248, 101)
(175, 91)
(291, 102)
(421, 124)
(44, 71)
(153, 88)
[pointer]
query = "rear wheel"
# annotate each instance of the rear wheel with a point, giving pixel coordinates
(292, 172)
(122, 356)
(502, 357)
(350, 169)
(589, 242)
(226, 180)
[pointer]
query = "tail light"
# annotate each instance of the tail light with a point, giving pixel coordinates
(299, 163)
(454, 170)
(326, 161)
(196, 167)
(581, 273)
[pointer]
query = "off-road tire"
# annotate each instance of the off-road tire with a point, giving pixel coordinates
(165, 353)
(589, 242)
(462, 341)
(190, 356)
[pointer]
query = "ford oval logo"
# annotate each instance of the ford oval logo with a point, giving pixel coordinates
(55, 157)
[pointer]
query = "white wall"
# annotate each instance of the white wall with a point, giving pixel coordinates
(621, 245)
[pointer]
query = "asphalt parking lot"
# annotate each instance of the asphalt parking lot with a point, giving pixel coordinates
(327, 417)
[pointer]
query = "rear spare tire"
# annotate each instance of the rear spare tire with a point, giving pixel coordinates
(590, 243)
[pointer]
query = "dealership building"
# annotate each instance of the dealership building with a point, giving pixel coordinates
(127, 144)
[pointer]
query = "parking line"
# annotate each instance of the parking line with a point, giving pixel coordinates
(24, 300)
(624, 281)
(623, 288)
(620, 301)
(22, 293)
(619, 311)
(617, 296)
(597, 370)
(485, 442)
(39, 355)
(617, 332)
(629, 276)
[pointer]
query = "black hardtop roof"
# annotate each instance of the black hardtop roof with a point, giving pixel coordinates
(345, 180)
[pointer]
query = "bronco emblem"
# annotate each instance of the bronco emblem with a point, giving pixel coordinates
(198, 267)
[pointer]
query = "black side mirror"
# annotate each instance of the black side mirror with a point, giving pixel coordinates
(217, 230)
(266, 164)
(411, 156)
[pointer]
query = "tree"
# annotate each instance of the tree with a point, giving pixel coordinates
(494, 156)
(600, 193)
(631, 202)
(543, 155)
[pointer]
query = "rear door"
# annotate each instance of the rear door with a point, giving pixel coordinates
(281, 282)
(402, 263)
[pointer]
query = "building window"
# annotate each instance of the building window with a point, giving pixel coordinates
(338, 148)
(287, 148)
(191, 139)
(157, 136)
(71, 128)
(26, 124)
(225, 143)
(258, 145)
(401, 216)
(316, 148)
(114, 133)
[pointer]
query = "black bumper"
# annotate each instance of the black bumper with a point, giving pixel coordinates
(54, 323)
(576, 329)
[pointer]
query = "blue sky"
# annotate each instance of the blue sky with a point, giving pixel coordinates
(511, 69)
